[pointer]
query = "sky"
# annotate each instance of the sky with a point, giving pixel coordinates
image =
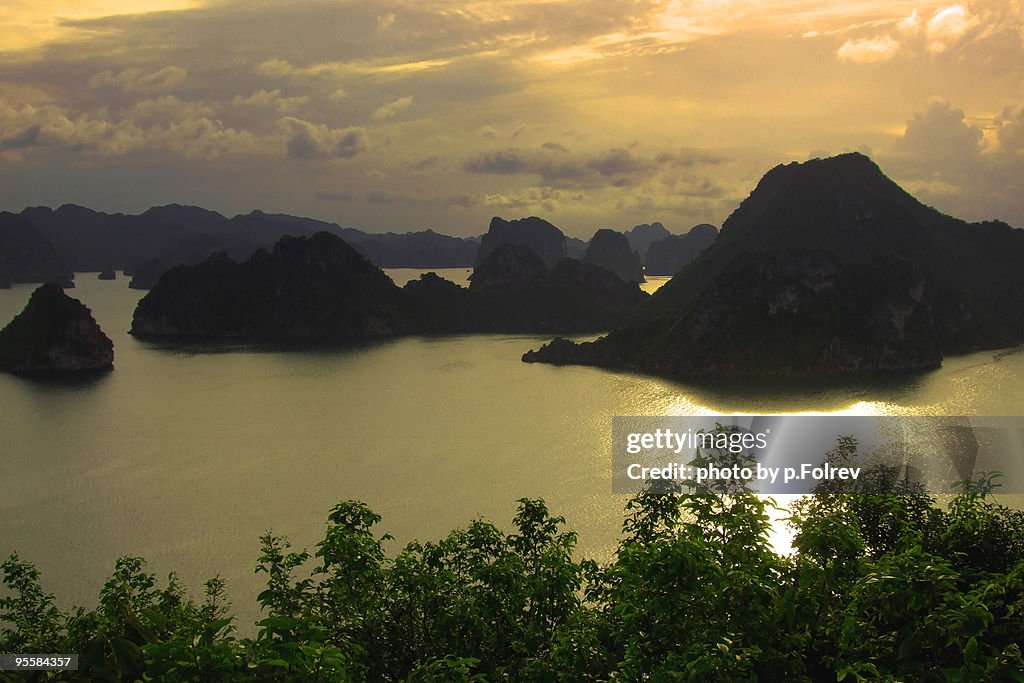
(398, 115)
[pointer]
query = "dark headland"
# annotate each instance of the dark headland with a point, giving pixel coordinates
(828, 267)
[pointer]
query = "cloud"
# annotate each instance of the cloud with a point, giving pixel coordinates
(945, 158)
(910, 23)
(379, 198)
(558, 167)
(389, 110)
(941, 135)
(26, 138)
(526, 200)
(867, 50)
(335, 196)
(385, 21)
(501, 162)
(165, 124)
(949, 25)
(135, 81)
(503, 122)
(689, 157)
(1010, 131)
(270, 98)
(166, 110)
(426, 162)
(276, 68)
(306, 140)
(618, 162)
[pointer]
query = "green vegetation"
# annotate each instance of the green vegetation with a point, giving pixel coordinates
(879, 587)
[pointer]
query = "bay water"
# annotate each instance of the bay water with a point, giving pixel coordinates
(185, 456)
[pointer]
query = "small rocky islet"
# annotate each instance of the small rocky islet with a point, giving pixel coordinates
(54, 334)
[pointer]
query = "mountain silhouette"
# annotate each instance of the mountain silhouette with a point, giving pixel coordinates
(828, 267)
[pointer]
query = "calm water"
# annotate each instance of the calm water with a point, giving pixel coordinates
(186, 457)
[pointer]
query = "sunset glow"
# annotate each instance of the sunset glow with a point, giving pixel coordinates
(402, 115)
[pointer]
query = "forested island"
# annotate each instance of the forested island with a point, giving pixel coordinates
(827, 268)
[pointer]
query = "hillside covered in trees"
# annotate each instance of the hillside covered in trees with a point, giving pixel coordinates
(878, 587)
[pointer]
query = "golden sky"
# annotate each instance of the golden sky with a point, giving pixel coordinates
(407, 114)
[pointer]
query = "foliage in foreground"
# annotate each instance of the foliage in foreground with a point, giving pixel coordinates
(879, 587)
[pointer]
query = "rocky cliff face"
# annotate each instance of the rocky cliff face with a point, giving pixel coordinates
(670, 254)
(545, 239)
(510, 266)
(828, 267)
(315, 288)
(611, 250)
(54, 333)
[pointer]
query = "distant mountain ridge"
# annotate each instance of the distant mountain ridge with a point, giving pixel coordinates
(147, 244)
(642, 236)
(670, 254)
(827, 267)
(27, 256)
